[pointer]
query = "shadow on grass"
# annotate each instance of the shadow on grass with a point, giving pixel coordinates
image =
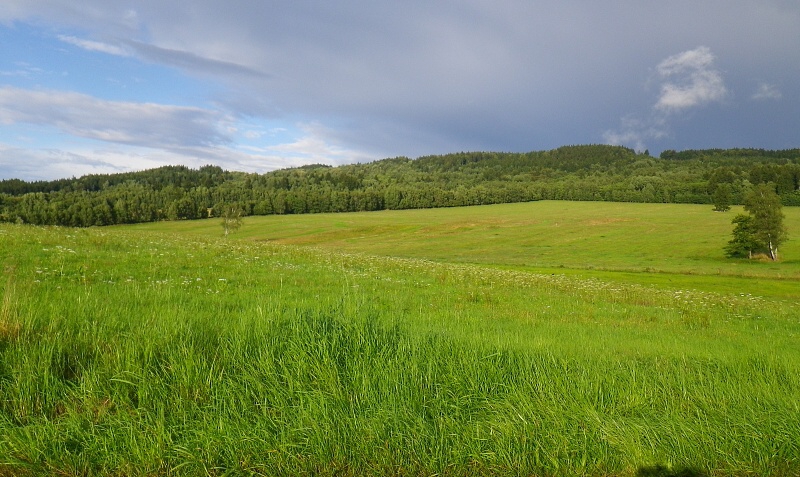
(663, 471)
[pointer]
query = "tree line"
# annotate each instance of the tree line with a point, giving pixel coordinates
(590, 172)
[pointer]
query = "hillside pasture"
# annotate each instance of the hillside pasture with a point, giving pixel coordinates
(666, 245)
(397, 343)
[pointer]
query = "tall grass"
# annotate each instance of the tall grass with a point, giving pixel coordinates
(140, 354)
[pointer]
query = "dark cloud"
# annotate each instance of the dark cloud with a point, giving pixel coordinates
(191, 62)
(418, 77)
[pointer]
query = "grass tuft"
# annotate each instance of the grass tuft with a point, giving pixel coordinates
(10, 327)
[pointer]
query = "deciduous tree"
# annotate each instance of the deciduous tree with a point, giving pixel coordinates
(762, 231)
(231, 219)
(722, 197)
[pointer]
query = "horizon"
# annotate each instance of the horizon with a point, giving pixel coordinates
(192, 167)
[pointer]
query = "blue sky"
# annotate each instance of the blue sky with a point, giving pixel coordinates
(103, 86)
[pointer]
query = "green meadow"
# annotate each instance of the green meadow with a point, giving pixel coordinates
(545, 338)
(670, 245)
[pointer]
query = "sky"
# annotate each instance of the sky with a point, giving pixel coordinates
(107, 86)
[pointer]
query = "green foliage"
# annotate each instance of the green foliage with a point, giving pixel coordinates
(722, 197)
(744, 242)
(764, 207)
(231, 218)
(763, 230)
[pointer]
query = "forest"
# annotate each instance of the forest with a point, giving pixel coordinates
(581, 173)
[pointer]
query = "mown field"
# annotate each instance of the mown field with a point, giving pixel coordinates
(470, 341)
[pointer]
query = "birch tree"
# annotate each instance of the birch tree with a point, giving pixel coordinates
(764, 206)
(231, 219)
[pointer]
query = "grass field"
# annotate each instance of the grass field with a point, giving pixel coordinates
(402, 343)
(671, 245)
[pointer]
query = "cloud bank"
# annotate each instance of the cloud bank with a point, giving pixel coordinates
(137, 124)
(386, 79)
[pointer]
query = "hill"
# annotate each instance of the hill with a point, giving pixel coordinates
(593, 172)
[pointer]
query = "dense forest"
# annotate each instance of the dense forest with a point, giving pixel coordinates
(594, 172)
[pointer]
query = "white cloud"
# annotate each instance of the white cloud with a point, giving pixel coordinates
(313, 145)
(55, 163)
(24, 70)
(316, 145)
(48, 164)
(94, 45)
(140, 124)
(690, 80)
(97, 158)
(122, 136)
(767, 91)
(636, 133)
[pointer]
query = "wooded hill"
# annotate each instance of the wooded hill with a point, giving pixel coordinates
(594, 172)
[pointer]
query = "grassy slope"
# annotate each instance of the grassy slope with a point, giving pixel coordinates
(669, 245)
(127, 352)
